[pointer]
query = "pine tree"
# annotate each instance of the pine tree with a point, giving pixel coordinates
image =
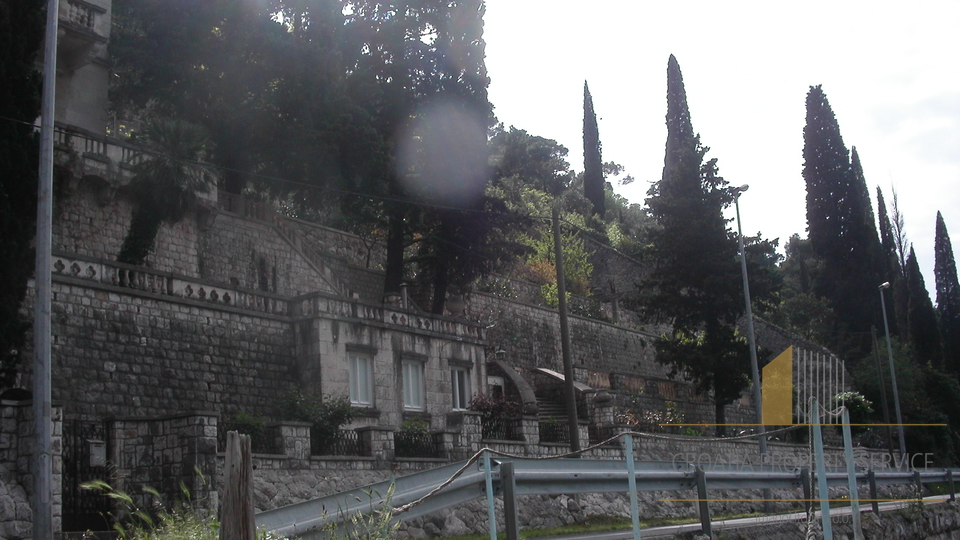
(592, 162)
(841, 228)
(948, 297)
(921, 317)
(695, 284)
(21, 33)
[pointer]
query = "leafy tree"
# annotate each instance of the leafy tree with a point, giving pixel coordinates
(800, 310)
(21, 33)
(921, 317)
(592, 162)
(695, 281)
(840, 225)
(948, 297)
(165, 183)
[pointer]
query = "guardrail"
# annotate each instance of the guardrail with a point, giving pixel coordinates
(431, 491)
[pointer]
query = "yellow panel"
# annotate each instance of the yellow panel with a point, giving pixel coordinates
(777, 390)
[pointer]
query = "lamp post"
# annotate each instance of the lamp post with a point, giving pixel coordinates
(893, 372)
(751, 336)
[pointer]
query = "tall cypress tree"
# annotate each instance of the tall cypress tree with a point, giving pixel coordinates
(889, 265)
(592, 162)
(695, 283)
(840, 225)
(948, 297)
(921, 317)
(21, 32)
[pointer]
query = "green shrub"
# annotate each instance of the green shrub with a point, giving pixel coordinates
(327, 415)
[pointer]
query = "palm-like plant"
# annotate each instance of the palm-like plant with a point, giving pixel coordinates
(165, 182)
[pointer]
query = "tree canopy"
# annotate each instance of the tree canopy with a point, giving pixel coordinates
(21, 33)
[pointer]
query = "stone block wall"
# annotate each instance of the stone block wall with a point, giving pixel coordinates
(120, 351)
(164, 452)
(16, 468)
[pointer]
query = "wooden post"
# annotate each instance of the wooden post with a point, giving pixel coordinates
(236, 519)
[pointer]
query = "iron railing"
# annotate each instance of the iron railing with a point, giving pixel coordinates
(502, 429)
(263, 439)
(415, 444)
(554, 432)
(344, 442)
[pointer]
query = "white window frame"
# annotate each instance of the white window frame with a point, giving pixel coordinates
(414, 394)
(360, 368)
(461, 393)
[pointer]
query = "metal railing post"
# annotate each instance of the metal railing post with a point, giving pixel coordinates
(632, 485)
(823, 492)
(702, 504)
(851, 476)
(491, 505)
(874, 498)
(953, 492)
(509, 482)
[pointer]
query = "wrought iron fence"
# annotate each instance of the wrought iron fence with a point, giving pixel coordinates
(344, 442)
(503, 429)
(552, 431)
(263, 439)
(598, 434)
(415, 444)
(84, 459)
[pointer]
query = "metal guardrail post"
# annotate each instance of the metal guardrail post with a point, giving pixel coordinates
(509, 482)
(491, 506)
(807, 488)
(823, 492)
(916, 479)
(851, 476)
(632, 485)
(953, 492)
(702, 503)
(874, 499)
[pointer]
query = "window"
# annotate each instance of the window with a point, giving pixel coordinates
(413, 385)
(460, 377)
(361, 379)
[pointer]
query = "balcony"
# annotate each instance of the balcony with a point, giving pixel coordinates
(84, 32)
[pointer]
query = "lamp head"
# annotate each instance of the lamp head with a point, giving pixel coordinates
(885, 285)
(743, 188)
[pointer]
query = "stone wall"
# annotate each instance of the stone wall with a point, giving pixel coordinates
(165, 453)
(16, 466)
(120, 350)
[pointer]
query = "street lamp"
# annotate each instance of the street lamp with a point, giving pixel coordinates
(893, 373)
(751, 337)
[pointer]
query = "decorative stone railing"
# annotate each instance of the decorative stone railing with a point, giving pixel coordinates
(319, 304)
(85, 154)
(164, 283)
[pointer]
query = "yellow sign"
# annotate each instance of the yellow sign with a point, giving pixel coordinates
(777, 390)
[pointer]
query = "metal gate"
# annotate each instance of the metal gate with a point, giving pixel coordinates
(84, 459)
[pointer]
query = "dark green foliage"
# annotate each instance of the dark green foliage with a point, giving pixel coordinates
(927, 396)
(948, 297)
(921, 317)
(21, 33)
(592, 161)
(800, 310)
(326, 415)
(841, 228)
(695, 282)
(165, 183)
(890, 269)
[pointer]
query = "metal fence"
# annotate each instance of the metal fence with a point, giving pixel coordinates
(263, 439)
(344, 442)
(502, 429)
(415, 444)
(554, 432)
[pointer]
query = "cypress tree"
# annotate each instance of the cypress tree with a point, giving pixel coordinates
(21, 32)
(592, 162)
(695, 284)
(841, 227)
(948, 297)
(890, 268)
(921, 317)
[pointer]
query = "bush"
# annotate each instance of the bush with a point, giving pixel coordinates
(327, 416)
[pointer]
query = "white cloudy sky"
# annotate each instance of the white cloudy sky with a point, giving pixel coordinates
(889, 69)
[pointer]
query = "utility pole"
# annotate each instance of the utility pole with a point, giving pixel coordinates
(43, 429)
(573, 423)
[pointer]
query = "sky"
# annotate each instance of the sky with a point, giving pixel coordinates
(890, 73)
